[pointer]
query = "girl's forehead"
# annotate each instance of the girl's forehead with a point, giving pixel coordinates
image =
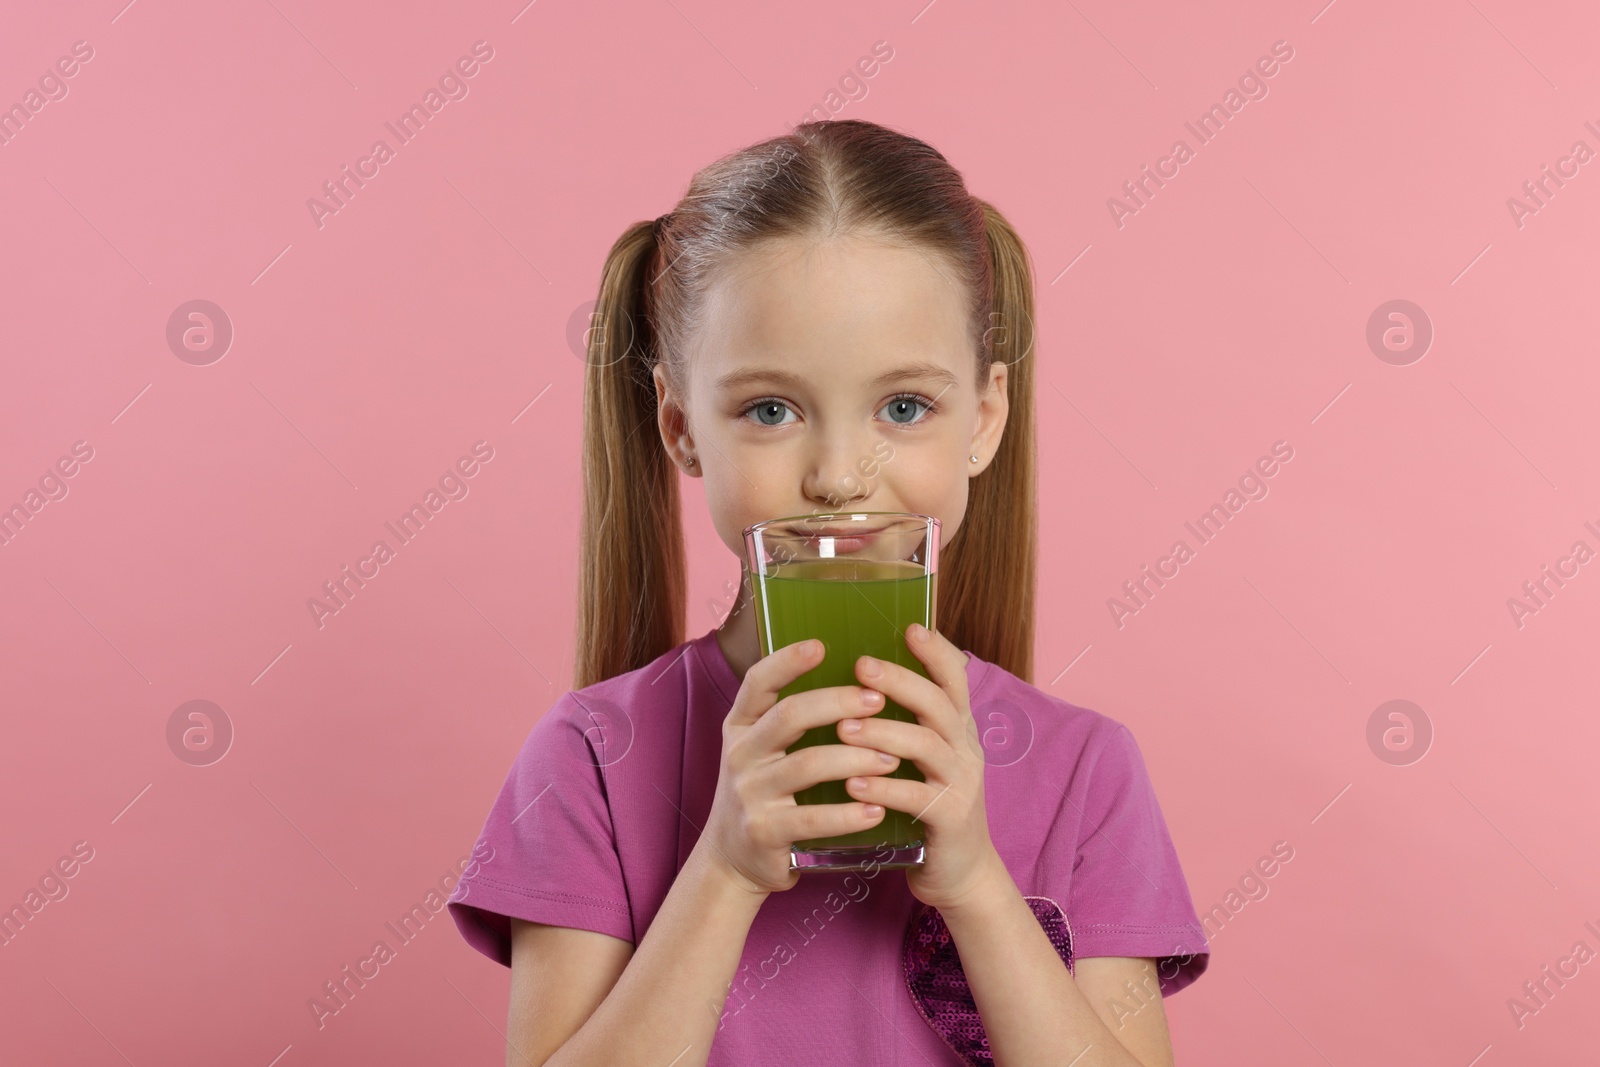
(851, 304)
(817, 260)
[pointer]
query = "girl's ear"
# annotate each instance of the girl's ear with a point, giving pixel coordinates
(993, 407)
(673, 423)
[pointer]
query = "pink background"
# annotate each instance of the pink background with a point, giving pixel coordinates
(1229, 313)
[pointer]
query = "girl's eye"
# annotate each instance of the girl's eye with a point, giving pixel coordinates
(904, 410)
(905, 405)
(769, 411)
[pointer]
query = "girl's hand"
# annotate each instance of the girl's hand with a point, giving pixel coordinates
(754, 818)
(943, 743)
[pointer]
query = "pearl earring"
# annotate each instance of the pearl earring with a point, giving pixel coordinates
(974, 459)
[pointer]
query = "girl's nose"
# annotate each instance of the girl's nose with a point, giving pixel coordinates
(836, 476)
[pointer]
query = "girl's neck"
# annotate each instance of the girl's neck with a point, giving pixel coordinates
(737, 636)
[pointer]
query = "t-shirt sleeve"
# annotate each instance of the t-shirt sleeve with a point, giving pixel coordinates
(548, 852)
(1128, 895)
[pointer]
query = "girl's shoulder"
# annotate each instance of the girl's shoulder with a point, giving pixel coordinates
(1018, 721)
(606, 719)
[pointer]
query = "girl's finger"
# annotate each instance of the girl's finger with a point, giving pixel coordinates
(787, 720)
(946, 664)
(923, 698)
(908, 740)
(806, 767)
(920, 800)
(802, 822)
(767, 676)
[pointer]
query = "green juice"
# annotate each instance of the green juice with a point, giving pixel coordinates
(855, 608)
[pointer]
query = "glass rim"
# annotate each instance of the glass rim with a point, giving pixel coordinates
(844, 516)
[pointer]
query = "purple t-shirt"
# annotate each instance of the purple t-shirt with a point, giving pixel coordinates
(603, 804)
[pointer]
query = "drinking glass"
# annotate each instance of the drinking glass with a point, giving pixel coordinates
(855, 582)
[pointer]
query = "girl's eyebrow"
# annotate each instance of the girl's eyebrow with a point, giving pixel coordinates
(924, 371)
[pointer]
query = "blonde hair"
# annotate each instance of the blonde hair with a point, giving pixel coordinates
(819, 180)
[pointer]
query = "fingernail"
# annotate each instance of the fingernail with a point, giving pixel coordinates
(871, 698)
(850, 726)
(918, 631)
(885, 759)
(870, 667)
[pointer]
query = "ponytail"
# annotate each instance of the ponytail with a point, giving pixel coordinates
(987, 571)
(631, 569)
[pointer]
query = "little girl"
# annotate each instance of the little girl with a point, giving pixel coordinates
(828, 321)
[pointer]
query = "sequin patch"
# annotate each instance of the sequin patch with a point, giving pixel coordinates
(939, 986)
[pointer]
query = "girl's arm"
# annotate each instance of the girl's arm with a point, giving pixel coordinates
(1032, 1010)
(559, 976)
(665, 1005)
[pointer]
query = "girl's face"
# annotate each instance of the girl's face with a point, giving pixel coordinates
(832, 376)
